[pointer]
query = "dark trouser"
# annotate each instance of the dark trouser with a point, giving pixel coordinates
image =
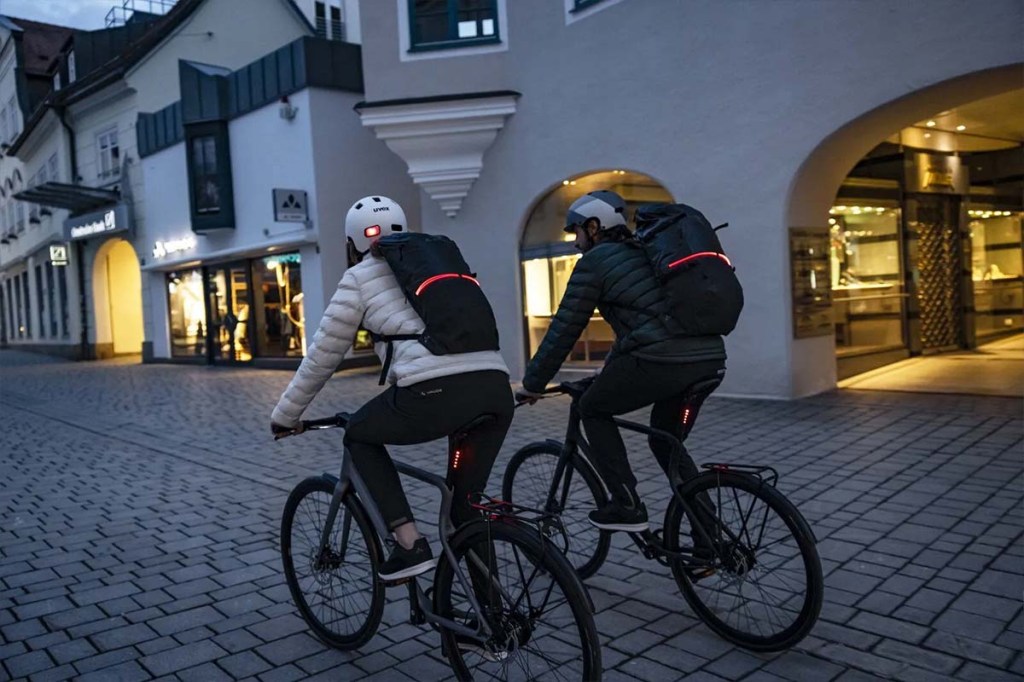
(628, 383)
(424, 412)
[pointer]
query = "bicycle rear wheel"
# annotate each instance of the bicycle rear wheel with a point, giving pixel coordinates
(539, 611)
(766, 588)
(337, 590)
(527, 482)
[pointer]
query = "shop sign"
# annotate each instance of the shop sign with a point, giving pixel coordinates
(164, 249)
(58, 254)
(290, 206)
(104, 222)
(936, 174)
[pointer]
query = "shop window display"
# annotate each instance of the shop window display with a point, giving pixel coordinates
(187, 313)
(280, 318)
(997, 270)
(867, 283)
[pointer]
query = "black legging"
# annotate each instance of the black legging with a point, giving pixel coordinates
(628, 383)
(423, 412)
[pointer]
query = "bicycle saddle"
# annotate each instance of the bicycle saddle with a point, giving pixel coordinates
(474, 424)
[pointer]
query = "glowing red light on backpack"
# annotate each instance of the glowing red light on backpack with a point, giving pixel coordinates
(455, 460)
(436, 278)
(372, 231)
(702, 254)
(686, 415)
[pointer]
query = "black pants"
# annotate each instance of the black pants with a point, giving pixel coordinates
(424, 412)
(628, 383)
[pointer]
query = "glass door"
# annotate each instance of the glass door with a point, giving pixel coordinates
(228, 290)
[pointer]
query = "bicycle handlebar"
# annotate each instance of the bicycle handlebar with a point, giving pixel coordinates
(339, 420)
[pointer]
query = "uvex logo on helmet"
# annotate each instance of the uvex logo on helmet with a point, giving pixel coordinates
(381, 208)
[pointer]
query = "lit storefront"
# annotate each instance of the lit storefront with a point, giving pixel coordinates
(238, 311)
(549, 255)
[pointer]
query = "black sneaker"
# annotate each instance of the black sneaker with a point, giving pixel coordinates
(615, 516)
(406, 563)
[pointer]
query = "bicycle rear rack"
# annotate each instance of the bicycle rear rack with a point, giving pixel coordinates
(767, 474)
(548, 524)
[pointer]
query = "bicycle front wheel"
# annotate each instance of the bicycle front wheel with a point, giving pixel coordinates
(336, 589)
(765, 586)
(578, 492)
(537, 607)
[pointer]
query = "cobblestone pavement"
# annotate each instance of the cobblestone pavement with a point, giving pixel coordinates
(140, 507)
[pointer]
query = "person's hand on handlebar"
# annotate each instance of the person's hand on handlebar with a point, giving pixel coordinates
(280, 431)
(523, 396)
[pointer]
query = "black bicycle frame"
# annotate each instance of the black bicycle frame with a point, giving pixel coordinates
(576, 447)
(351, 482)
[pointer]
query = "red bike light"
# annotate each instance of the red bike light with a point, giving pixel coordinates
(372, 231)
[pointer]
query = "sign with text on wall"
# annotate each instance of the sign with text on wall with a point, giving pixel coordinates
(58, 254)
(290, 206)
(98, 223)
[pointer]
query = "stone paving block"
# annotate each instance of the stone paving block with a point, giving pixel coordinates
(244, 664)
(63, 672)
(20, 631)
(889, 627)
(181, 658)
(969, 625)
(914, 655)
(24, 665)
(964, 647)
(124, 672)
(106, 660)
(276, 628)
(185, 620)
(735, 665)
(101, 594)
(208, 672)
(975, 672)
(289, 649)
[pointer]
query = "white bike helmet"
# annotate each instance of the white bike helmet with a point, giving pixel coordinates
(371, 218)
(607, 207)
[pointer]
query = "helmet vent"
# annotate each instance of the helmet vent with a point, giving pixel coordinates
(359, 205)
(377, 199)
(396, 228)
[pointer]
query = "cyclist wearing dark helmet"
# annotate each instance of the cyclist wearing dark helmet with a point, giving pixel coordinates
(648, 364)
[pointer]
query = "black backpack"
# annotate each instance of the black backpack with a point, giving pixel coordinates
(699, 281)
(438, 284)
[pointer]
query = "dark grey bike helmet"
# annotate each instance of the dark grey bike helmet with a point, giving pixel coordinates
(606, 206)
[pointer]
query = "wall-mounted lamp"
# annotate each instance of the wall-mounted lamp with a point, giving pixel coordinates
(287, 111)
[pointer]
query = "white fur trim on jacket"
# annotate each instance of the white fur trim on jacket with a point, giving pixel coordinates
(369, 293)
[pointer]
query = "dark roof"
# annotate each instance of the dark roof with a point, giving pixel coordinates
(42, 44)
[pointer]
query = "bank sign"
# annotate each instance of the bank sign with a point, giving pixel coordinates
(98, 223)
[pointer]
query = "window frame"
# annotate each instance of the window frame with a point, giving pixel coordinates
(580, 5)
(114, 172)
(320, 25)
(452, 43)
(72, 69)
(224, 215)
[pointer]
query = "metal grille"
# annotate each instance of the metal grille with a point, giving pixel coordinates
(939, 285)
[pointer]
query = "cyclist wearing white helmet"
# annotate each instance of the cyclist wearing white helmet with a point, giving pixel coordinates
(648, 364)
(430, 397)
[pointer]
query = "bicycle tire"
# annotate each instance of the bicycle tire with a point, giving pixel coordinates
(374, 606)
(588, 545)
(712, 483)
(547, 562)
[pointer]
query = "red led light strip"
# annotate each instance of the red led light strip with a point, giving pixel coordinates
(437, 278)
(702, 254)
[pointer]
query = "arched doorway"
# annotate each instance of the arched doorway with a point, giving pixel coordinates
(117, 299)
(548, 255)
(923, 203)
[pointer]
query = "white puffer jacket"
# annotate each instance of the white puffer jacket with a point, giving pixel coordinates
(369, 293)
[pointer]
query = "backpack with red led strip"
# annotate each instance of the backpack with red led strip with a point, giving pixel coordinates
(699, 281)
(443, 291)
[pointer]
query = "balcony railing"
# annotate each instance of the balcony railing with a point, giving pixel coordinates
(120, 14)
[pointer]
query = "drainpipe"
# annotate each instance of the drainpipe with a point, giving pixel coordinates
(83, 310)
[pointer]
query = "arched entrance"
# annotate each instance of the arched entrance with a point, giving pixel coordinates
(117, 299)
(922, 201)
(548, 255)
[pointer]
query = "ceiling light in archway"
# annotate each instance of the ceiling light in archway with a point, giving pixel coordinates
(961, 127)
(930, 124)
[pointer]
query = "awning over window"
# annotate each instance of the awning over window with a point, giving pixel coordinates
(75, 198)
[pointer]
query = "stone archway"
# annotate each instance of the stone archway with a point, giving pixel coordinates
(117, 300)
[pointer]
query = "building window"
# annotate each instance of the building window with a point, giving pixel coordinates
(72, 72)
(280, 319)
(320, 10)
(56, 81)
(49, 301)
(187, 313)
(449, 23)
(997, 270)
(208, 159)
(109, 161)
(15, 120)
(39, 301)
(337, 26)
(21, 216)
(583, 4)
(52, 163)
(19, 322)
(62, 287)
(204, 174)
(5, 129)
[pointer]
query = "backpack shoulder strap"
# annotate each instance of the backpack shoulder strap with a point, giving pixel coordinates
(389, 354)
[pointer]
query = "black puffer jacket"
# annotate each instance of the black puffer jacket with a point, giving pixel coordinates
(616, 278)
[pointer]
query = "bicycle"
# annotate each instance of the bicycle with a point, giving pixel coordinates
(491, 621)
(720, 574)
